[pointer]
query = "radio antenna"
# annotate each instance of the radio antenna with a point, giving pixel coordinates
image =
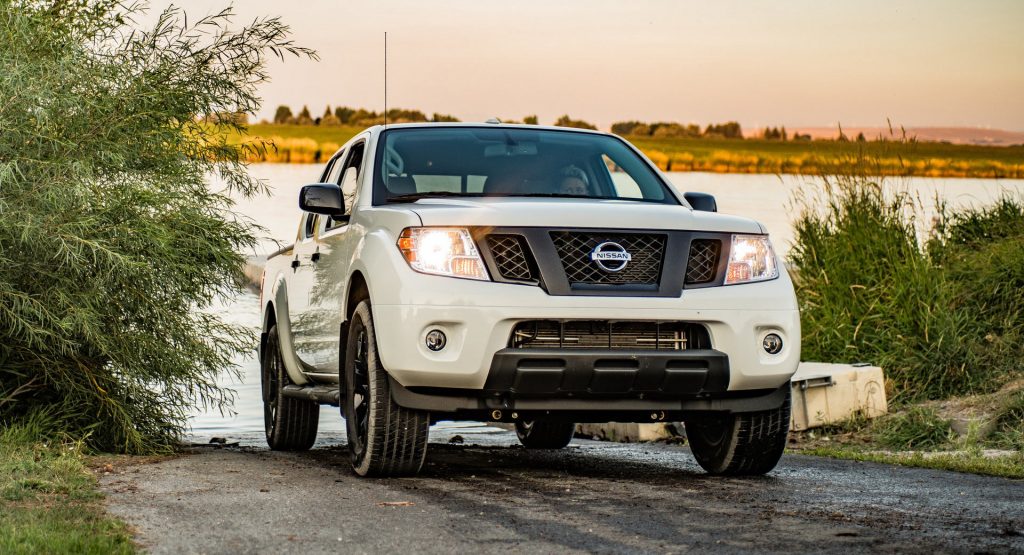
(385, 79)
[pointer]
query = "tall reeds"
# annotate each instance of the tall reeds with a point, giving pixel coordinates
(942, 316)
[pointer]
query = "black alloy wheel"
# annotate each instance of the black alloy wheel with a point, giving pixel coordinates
(357, 396)
(384, 438)
(290, 424)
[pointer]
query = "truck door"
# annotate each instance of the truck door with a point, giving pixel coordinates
(302, 282)
(299, 282)
(336, 243)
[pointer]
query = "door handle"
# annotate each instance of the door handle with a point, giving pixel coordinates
(315, 257)
(295, 263)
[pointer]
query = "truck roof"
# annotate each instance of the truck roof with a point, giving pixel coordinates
(427, 124)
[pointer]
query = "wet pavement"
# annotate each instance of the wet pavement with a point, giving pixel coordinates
(488, 495)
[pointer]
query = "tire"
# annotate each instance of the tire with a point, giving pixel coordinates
(545, 434)
(740, 444)
(384, 439)
(290, 423)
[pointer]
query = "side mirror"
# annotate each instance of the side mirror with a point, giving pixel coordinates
(701, 201)
(322, 198)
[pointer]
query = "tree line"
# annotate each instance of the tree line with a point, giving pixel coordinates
(343, 115)
(361, 117)
(662, 129)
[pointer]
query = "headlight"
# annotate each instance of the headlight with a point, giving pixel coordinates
(751, 259)
(445, 251)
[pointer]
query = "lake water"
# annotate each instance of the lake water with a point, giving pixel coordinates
(766, 198)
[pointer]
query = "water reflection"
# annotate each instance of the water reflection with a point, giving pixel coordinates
(246, 424)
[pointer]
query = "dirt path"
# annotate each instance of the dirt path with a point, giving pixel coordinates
(489, 495)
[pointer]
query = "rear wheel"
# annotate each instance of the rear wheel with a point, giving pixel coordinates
(740, 444)
(290, 423)
(384, 439)
(544, 434)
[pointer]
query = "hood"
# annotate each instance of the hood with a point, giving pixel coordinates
(559, 212)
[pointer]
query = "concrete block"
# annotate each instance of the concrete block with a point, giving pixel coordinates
(830, 393)
(626, 432)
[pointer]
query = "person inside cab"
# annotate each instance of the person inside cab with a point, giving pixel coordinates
(573, 181)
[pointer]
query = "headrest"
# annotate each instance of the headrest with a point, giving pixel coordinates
(502, 184)
(398, 185)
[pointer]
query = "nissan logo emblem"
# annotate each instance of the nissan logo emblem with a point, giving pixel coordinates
(610, 257)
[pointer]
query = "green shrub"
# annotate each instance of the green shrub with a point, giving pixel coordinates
(982, 252)
(942, 318)
(111, 243)
(867, 292)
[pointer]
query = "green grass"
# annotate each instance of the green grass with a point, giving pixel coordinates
(311, 143)
(911, 151)
(1010, 466)
(329, 134)
(918, 427)
(48, 499)
(1008, 428)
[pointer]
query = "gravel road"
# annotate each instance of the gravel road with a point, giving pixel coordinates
(488, 495)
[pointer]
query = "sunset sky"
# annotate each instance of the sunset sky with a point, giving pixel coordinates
(794, 63)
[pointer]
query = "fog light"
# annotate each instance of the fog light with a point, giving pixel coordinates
(772, 344)
(436, 340)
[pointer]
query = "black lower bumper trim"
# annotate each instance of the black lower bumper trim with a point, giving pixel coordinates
(585, 373)
(477, 405)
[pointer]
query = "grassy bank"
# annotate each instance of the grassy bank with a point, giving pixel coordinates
(312, 144)
(942, 315)
(980, 434)
(48, 499)
(827, 157)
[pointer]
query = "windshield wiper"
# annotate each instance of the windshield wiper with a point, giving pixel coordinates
(413, 197)
(561, 195)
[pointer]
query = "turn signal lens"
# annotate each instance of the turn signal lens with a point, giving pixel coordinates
(443, 251)
(751, 258)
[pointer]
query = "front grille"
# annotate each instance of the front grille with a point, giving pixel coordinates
(510, 257)
(606, 334)
(703, 261)
(574, 249)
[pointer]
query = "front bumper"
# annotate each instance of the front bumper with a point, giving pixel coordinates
(599, 373)
(737, 319)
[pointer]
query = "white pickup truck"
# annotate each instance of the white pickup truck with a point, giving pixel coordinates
(534, 275)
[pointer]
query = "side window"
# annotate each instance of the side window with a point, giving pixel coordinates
(349, 173)
(309, 225)
(625, 186)
(333, 171)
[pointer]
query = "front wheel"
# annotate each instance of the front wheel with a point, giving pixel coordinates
(384, 439)
(544, 434)
(740, 444)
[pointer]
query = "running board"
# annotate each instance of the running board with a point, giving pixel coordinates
(323, 394)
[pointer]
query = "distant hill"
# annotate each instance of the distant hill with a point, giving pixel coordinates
(955, 135)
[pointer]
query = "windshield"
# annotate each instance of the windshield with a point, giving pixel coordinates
(509, 162)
